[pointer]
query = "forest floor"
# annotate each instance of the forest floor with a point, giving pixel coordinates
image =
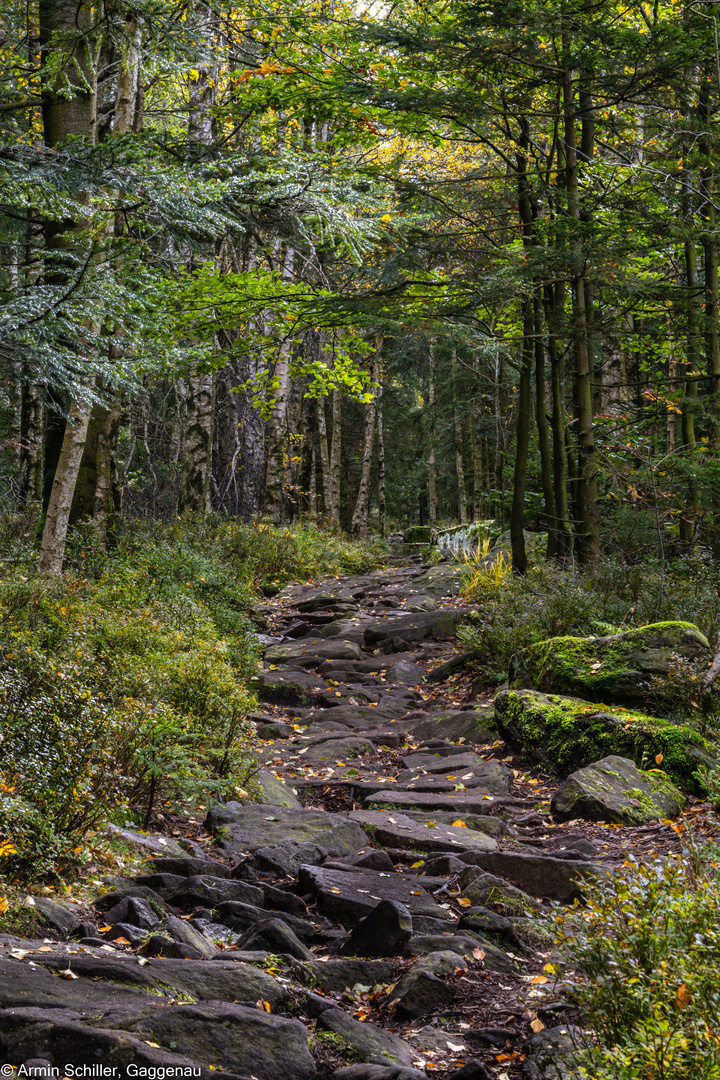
(382, 780)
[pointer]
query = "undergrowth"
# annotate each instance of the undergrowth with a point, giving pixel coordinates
(642, 964)
(125, 683)
(513, 612)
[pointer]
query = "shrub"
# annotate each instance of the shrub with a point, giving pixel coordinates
(514, 612)
(646, 954)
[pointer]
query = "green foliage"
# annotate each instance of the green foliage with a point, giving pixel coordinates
(646, 954)
(514, 613)
(125, 683)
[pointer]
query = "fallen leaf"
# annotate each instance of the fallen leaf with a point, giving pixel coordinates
(104, 929)
(416, 892)
(478, 953)
(537, 980)
(537, 1025)
(19, 954)
(659, 759)
(455, 1047)
(415, 865)
(465, 901)
(68, 974)
(459, 824)
(156, 1046)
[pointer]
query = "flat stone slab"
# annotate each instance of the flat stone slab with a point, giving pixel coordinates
(415, 627)
(240, 828)
(541, 875)
(394, 830)
(469, 802)
(337, 750)
(615, 790)
(368, 1041)
(302, 650)
(289, 687)
(494, 776)
(474, 725)
(337, 975)
(348, 895)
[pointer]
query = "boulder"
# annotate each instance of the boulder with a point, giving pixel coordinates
(365, 1040)
(394, 830)
(378, 1072)
(186, 867)
(289, 687)
(565, 734)
(440, 581)
(145, 842)
(337, 975)
(408, 674)
(439, 625)
(614, 790)
(385, 931)
(540, 875)
(485, 890)
(339, 749)
(274, 791)
(495, 776)
(242, 829)
(181, 931)
(305, 652)
(616, 668)
(418, 534)
(550, 1054)
(473, 725)
(458, 802)
(205, 891)
(418, 994)
(61, 920)
(285, 858)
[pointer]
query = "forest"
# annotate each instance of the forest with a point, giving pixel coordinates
(360, 367)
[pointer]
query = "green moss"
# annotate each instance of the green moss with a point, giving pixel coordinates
(567, 734)
(611, 669)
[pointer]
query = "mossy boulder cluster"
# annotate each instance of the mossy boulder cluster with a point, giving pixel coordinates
(609, 680)
(616, 668)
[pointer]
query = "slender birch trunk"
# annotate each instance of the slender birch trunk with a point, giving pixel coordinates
(362, 506)
(432, 468)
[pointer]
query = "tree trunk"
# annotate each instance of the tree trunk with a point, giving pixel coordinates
(57, 518)
(588, 526)
(335, 458)
(274, 499)
(197, 457)
(432, 469)
(324, 457)
(458, 432)
(542, 427)
(692, 373)
(381, 464)
(32, 411)
(709, 243)
(362, 506)
(554, 307)
(65, 115)
(517, 512)
(106, 491)
(478, 513)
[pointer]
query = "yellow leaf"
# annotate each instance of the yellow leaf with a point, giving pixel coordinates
(683, 997)
(415, 865)
(465, 901)
(386, 217)
(537, 980)
(459, 824)
(157, 1046)
(659, 759)
(4, 905)
(537, 1025)
(68, 974)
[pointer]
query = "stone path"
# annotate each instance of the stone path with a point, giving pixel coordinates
(375, 917)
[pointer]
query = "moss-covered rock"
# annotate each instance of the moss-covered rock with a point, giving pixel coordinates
(418, 534)
(617, 668)
(565, 734)
(615, 790)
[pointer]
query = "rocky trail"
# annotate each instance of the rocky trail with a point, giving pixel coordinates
(381, 914)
